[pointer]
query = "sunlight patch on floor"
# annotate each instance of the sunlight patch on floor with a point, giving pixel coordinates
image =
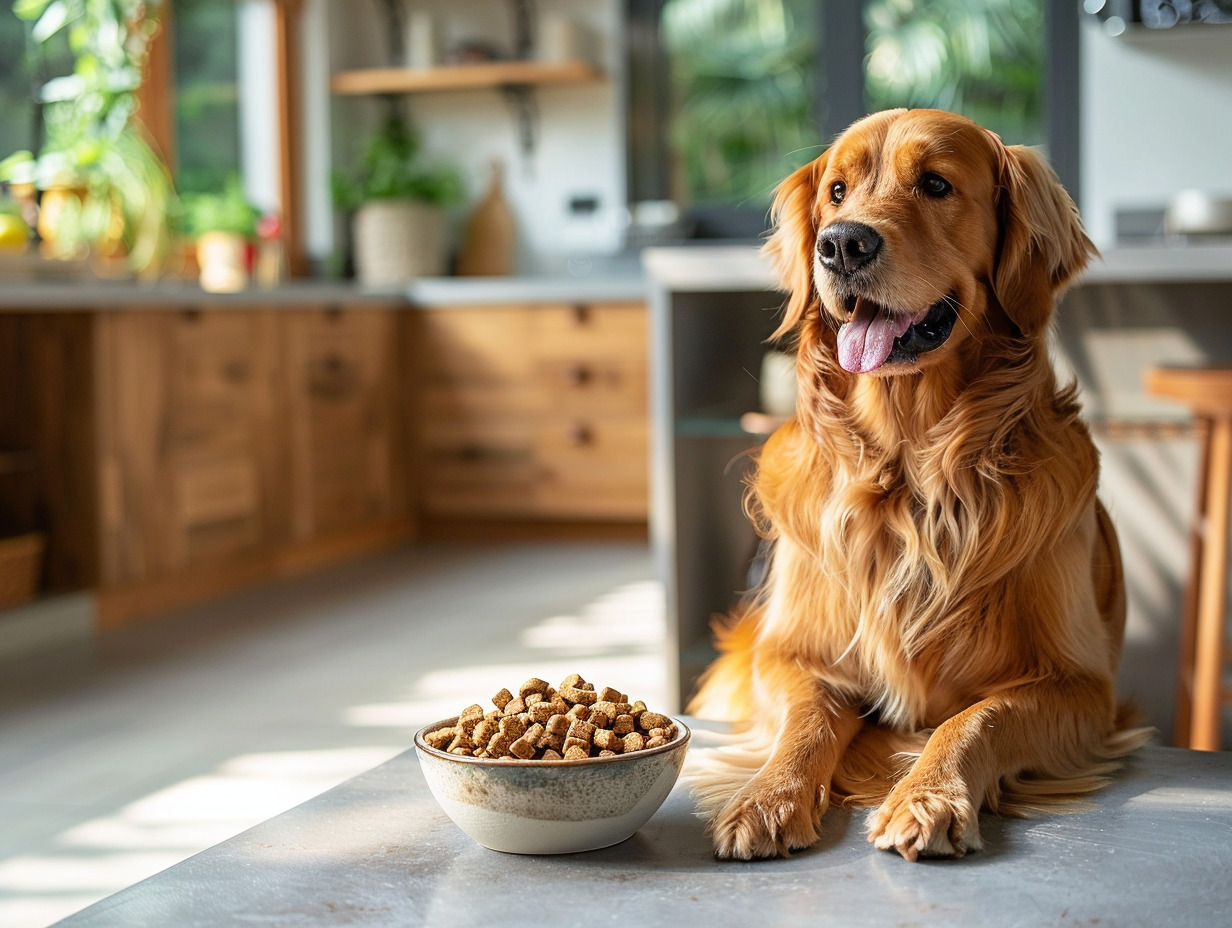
(616, 640)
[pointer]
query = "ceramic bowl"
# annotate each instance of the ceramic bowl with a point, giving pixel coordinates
(551, 807)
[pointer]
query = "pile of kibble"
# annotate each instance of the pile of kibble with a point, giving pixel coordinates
(543, 722)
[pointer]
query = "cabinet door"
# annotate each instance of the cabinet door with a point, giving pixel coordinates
(340, 370)
(188, 402)
(478, 404)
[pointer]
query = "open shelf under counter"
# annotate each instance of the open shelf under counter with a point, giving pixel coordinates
(488, 74)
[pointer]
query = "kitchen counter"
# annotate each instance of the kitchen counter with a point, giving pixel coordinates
(85, 294)
(741, 267)
(378, 850)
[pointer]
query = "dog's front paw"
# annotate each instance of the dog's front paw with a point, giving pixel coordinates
(932, 821)
(768, 821)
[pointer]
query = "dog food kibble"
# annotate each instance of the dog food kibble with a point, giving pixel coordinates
(572, 721)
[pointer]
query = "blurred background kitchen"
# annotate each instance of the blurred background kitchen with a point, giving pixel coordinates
(360, 358)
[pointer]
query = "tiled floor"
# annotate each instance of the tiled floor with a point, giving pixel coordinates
(119, 761)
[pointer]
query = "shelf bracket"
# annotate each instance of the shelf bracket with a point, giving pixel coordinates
(525, 106)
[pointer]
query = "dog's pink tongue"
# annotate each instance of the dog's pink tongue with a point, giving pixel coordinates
(866, 341)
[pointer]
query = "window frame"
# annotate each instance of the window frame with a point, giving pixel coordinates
(838, 102)
(156, 97)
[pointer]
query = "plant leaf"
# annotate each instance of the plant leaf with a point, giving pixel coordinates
(51, 22)
(30, 9)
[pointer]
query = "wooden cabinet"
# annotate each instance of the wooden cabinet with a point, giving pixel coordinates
(188, 475)
(533, 411)
(233, 438)
(344, 419)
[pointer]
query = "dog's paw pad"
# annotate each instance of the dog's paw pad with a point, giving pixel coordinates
(765, 823)
(920, 822)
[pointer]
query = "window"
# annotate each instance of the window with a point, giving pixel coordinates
(24, 67)
(728, 96)
(207, 116)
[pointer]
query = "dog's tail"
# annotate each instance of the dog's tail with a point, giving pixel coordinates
(725, 691)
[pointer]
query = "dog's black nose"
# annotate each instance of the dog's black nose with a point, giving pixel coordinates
(845, 247)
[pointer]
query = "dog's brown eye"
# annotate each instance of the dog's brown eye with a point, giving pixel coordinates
(935, 185)
(838, 190)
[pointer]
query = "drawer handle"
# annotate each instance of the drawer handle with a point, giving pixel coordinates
(580, 435)
(578, 374)
(331, 378)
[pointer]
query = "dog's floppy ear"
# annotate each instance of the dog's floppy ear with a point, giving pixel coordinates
(1043, 245)
(794, 240)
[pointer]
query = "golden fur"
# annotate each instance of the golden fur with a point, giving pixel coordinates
(941, 621)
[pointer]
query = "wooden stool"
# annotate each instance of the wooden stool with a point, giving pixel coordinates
(1208, 392)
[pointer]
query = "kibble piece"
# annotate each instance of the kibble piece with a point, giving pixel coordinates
(571, 743)
(470, 717)
(656, 742)
(607, 753)
(633, 742)
(580, 711)
(461, 740)
(574, 679)
(607, 694)
(576, 695)
(582, 730)
(599, 719)
(648, 720)
(502, 699)
(541, 711)
(554, 732)
(549, 754)
(459, 751)
(623, 724)
(440, 738)
(526, 746)
(514, 706)
(513, 727)
(533, 685)
(635, 710)
(576, 753)
(499, 745)
(485, 730)
(607, 740)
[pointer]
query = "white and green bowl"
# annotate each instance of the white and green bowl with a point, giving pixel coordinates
(551, 806)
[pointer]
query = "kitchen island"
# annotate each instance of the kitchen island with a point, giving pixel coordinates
(377, 850)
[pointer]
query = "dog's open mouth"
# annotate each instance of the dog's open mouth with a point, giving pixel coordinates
(875, 336)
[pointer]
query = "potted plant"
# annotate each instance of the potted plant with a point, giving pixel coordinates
(105, 190)
(223, 226)
(400, 227)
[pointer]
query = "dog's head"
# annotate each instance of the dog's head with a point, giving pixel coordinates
(918, 230)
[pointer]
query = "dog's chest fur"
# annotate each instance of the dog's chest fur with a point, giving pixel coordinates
(908, 572)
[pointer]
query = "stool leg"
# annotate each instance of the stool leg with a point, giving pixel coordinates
(1212, 595)
(1189, 615)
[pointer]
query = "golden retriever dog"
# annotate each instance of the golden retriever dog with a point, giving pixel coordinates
(942, 615)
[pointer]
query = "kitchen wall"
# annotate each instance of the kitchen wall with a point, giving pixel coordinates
(579, 145)
(1156, 118)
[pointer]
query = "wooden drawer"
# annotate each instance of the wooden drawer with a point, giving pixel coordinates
(594, 467)
(474, 362)
(477, 468)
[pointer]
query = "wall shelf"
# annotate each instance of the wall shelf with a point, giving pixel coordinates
(491, 74)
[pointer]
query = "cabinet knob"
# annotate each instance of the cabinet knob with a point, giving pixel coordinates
(580, 434)
(578, 374)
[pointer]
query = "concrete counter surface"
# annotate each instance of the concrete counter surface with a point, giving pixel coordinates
(95, 295)
(1155, 849)
(742, 267)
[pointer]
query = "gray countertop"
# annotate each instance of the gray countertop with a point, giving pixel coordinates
(742, 267)
(1156, 849)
